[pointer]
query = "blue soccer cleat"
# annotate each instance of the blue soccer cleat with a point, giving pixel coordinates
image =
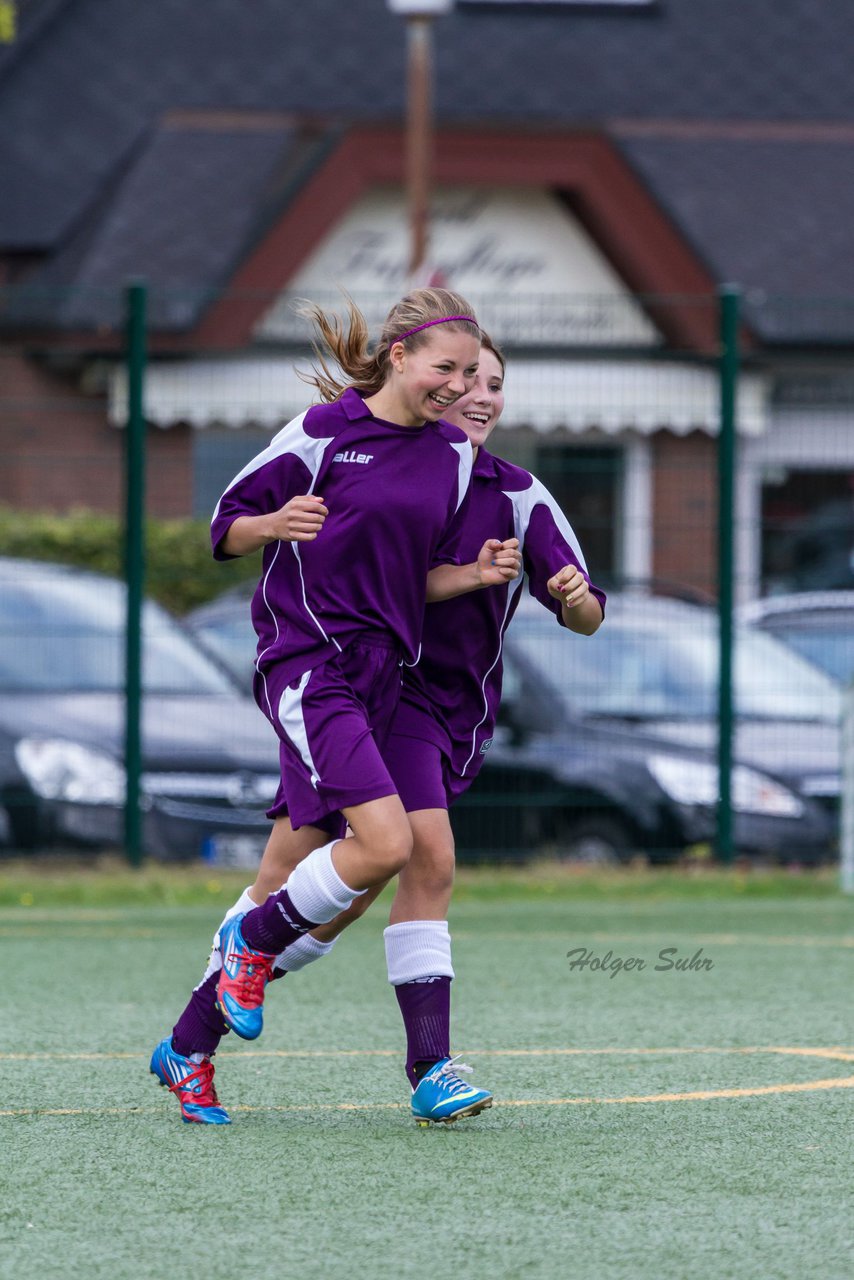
(242, 980)
(442, 1097)
(191, 1082)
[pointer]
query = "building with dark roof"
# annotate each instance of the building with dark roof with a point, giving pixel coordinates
(600, 170)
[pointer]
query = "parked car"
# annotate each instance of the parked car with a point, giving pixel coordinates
(606, 744)
(210, 762)
(813, 551)
(819, 625)
(224, 628)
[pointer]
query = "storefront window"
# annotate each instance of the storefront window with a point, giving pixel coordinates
(585, 482)
(807, 531)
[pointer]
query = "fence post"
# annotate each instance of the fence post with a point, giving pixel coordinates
(729, 300)
(846, 816)
(135, 303)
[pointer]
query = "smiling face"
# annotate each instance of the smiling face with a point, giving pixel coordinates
(479, 409)
(426, 381)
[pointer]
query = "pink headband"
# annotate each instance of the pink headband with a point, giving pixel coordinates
(444, 320)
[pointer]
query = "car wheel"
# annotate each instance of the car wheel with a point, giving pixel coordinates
(596, 840)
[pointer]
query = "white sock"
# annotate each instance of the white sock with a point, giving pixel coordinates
(302, 952)
(316, 889)
(244, 903)
(417, 949)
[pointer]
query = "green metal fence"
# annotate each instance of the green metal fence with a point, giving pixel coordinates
(698, 459)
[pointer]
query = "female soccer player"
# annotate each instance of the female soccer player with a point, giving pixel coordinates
(445, 722)
(339, 608)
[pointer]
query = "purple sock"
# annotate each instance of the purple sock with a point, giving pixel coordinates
(426, 1009)
(275, 925)
(201, 1026)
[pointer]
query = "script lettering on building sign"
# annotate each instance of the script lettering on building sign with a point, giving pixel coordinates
(534, 272)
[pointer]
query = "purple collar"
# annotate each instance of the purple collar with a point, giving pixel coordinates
(485, 464)
(353, 405)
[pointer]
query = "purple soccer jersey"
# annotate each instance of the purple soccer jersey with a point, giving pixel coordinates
(395, 497)
(451, 695)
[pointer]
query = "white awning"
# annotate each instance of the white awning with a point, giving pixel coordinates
(608, 395)
(249, 390)
(613, 396)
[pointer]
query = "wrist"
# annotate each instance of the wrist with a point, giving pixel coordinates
(266, 532)
(478, 577)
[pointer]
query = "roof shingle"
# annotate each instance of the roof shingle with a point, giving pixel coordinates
(92, 177)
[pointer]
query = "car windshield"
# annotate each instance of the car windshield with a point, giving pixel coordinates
(831, 650)
(66, 634)
(232, 641)
(658, 669)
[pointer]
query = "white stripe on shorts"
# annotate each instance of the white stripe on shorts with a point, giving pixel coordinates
(293, 722)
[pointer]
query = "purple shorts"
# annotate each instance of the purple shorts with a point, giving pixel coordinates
(333, 724)
(421, 770)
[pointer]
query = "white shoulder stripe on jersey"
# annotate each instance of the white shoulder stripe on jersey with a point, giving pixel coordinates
(523, 502)
(466, 457)
(291, 439)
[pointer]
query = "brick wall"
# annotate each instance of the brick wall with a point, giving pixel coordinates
(58, 451)
(684, 546)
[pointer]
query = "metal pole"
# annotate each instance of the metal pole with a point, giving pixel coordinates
(729, 303)
(136, 297)
(419, 128)
(846, 817)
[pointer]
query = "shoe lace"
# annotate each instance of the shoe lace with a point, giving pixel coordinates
(200, 1083)
(254, 971)
(452, 1082)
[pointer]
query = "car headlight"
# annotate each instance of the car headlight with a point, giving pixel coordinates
(693, 782)
(60, 770)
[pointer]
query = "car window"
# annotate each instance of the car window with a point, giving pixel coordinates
(832, 651)
(511, 680)
(647, 667)
(67, 635)
(232, 641)
(771, 681)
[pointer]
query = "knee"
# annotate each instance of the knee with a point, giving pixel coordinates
(432, 866)
(395, 851)
(442, 876)
(382, 841)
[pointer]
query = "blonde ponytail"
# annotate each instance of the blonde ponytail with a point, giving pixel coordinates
(348, 347)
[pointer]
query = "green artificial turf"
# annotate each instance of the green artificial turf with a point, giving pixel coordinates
(591, 1165)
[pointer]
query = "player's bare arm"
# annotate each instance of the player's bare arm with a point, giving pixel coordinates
(497, 563)
(299, 520)
(580, 609)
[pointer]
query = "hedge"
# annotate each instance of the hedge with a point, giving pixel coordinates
(180, 570)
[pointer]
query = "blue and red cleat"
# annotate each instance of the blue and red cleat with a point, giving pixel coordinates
(191, 1082)
(242, 979)
(442, 1097)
